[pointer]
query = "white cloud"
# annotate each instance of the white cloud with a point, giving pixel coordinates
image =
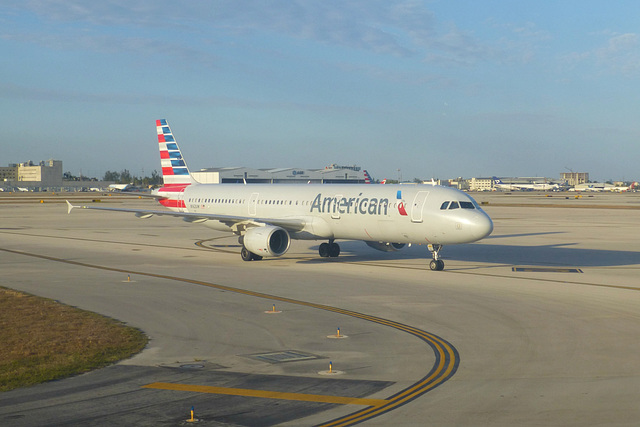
(405, 28)
(619, 55)
(376, 25)
(459, 47)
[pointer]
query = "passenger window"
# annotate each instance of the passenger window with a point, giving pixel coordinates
(467, 205)
(445, 205)
(454, 205)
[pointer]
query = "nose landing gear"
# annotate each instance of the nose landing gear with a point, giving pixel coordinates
(436, 263)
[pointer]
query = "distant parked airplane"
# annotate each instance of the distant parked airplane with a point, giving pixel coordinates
(594, 187)
(533, 186)
(119, 187)
(622, 188)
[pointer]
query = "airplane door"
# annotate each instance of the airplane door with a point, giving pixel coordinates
(253, 203)
(418, 205)
(335, 209)
(182, 207)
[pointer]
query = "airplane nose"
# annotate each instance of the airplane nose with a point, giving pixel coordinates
(482, 226)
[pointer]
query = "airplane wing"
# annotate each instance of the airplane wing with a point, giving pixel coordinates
(289, 224)
(132, 194)
(135, 194)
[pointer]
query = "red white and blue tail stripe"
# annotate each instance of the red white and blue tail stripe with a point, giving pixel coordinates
(174, 168)
(175, 173)
(367, 177)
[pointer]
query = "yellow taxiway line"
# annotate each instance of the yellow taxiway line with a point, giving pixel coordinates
(267, 394)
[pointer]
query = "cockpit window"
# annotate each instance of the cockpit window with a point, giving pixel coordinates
(459, 204)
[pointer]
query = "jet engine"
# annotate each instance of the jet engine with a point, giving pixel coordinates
(385, 246)
(267, 241)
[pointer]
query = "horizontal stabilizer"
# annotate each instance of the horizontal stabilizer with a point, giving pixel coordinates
(70, 206)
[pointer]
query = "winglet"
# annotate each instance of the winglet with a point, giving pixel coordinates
(69, 207)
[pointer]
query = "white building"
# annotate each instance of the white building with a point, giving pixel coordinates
(333, 174)
(575, 178)
(45, 174)
(481, 184)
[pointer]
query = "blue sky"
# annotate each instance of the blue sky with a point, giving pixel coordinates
(431, 88)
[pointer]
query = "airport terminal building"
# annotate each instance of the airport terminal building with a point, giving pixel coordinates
(333, 174)
(42, 175)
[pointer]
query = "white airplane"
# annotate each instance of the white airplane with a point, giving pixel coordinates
(603, 186)
(533, 186)
(623, 188)
(268, 216)
(119, 187)
(595, 187)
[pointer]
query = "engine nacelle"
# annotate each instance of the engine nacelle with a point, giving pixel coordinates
(385, 246)
(267, 241)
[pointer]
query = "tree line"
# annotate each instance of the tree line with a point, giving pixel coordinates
(122, 177)
(125, 177)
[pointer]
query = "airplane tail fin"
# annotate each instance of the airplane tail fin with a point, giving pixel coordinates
(175, 172)
(367, 177)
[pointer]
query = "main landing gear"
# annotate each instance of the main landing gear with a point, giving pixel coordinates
(436, 263)
(249, 256)
(330, 249)
(245, 254)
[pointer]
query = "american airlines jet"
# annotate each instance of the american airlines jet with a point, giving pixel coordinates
(533, 186)
(267, 216)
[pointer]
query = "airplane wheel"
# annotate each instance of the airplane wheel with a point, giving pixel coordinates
(255, 257)
(436, 265)
(245, 254)
(334, 250)
(324, 250)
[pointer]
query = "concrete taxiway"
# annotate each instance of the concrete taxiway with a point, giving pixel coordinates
(538, 324)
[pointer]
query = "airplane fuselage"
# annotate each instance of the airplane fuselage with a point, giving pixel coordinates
(389, 213)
